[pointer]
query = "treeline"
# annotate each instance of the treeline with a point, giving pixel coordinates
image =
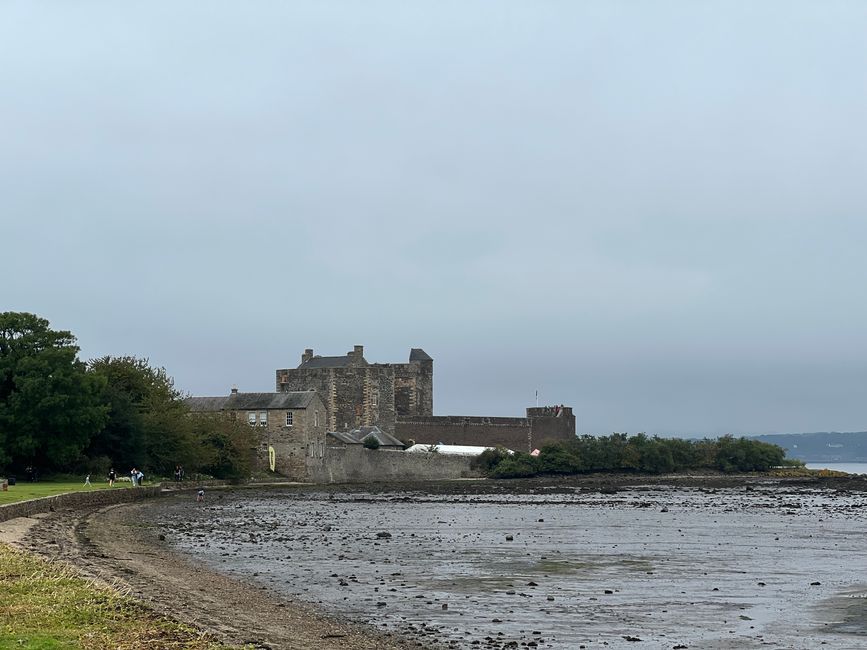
(638, 454)
(59, 414)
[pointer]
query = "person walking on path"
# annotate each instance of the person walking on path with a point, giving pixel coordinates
(200, 495)
(133, 475)
(139, 477)
(112, 477)
(87, 480)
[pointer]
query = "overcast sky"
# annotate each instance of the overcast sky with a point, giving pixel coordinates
(653, 211)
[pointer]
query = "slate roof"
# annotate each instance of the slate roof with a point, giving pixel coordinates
(357, 436)
(417, 354)
(327, 362)
(251, 401)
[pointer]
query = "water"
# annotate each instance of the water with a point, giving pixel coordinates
(849, 468)
(709, 568)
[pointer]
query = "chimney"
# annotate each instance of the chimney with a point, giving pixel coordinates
(234, 390)
(308, 354)
(359, 351)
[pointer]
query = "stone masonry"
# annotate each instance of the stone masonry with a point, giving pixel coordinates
(398, 398)
(542, 424)
(357, 393)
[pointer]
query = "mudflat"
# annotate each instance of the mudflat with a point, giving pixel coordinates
(600, 561)
(117, 546)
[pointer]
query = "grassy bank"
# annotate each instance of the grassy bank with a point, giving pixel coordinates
(24, 491)
(46, 606)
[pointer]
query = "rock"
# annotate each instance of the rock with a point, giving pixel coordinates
(509, 538)
(815, 584)
(631, 638)
(162, 537)
(383, 535)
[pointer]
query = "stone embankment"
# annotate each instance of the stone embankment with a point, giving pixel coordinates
(95, 498)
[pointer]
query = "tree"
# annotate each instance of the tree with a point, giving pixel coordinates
(371, 442)
(148, 424)
(227, 444)
(49, 405)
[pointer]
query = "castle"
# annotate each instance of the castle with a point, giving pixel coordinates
(304, 427)
(398, 398)
(357, 393)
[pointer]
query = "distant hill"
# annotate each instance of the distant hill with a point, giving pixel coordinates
(824, 447)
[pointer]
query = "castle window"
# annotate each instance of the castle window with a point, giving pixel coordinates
(263, 418)
(315, 418)
(251, 418)
(374, 398)
(289, 416)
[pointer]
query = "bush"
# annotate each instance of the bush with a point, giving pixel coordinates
(489, 459)
(518, 465)
(371, 442)
(639, 453)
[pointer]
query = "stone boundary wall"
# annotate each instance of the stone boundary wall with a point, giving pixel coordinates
(77, 500)
(519, 434)
(355, 464)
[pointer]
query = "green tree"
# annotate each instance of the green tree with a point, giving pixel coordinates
(227, 445)
(49, 405)
(148, 425)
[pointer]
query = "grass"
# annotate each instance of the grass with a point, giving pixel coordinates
(22, 491)
(46, 606)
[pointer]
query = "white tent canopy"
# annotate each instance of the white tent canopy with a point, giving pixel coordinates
(452, 450)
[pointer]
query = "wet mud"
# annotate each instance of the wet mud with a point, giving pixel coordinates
(687, 563)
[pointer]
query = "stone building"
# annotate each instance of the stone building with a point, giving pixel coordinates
(398, 398)
(357, 393)
(292, 423)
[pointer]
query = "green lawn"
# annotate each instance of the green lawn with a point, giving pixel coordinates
(46, 606)
(24, 490)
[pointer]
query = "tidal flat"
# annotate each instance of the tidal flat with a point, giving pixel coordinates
(750, 564)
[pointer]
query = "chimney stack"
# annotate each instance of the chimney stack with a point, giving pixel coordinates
(359, 351)
(308, 354)
(234, 390)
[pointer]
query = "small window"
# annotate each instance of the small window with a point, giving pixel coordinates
(251, 418)
(263, 418)
(289, 418)
(374, 398)
(315, 418)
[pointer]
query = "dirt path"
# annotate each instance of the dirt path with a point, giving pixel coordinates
(112, 546)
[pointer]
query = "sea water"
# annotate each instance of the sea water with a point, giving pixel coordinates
(849, 468)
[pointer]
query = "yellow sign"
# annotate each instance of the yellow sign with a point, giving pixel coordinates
(272, 458)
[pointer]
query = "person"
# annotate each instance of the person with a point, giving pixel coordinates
(140, 477)
(177, 473)
(87, 480)
(133, 475)
(200, 495)
(112, 477)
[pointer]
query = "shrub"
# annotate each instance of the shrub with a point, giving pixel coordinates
(518, 465)
(371, 442)
(489, 459)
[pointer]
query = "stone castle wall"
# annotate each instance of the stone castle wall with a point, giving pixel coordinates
(355, 464)
(519, 434)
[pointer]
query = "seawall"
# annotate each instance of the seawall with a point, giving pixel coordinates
(76, 500)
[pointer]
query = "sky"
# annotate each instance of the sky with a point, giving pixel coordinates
(653, 212)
